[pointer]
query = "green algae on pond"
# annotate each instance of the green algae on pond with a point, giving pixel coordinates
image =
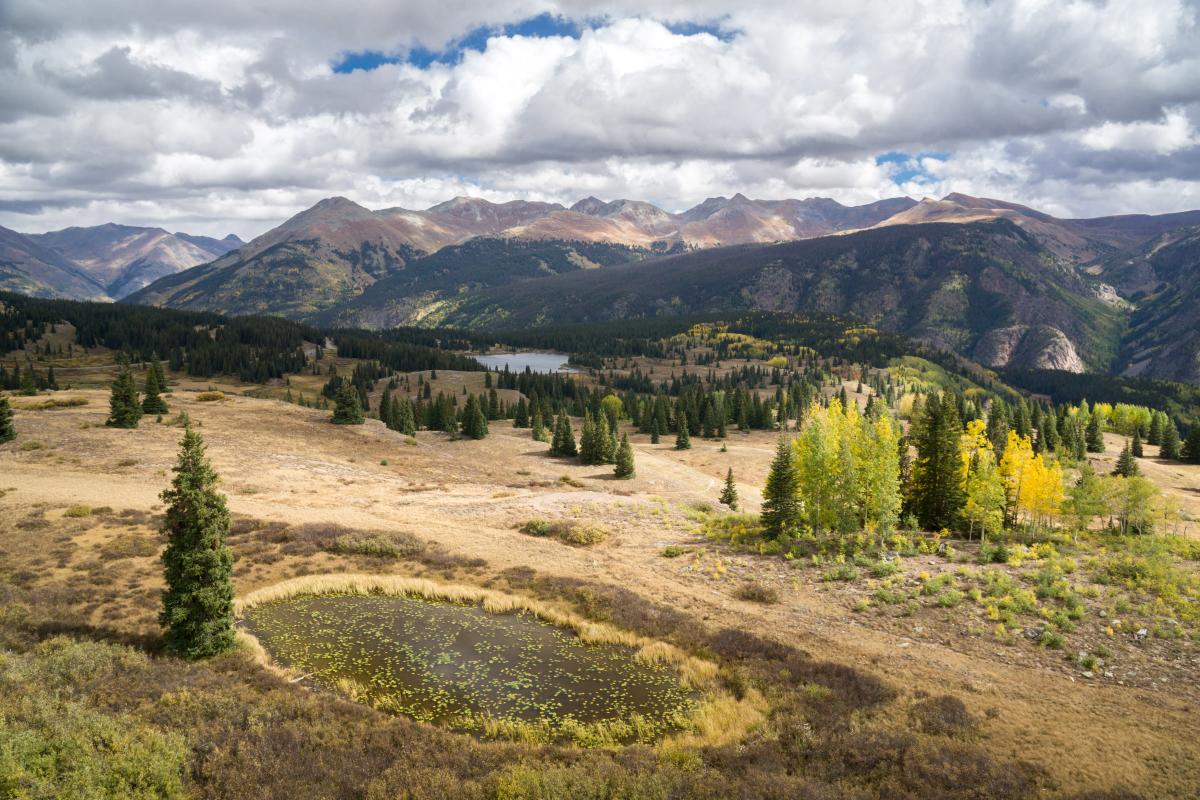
(459, 664)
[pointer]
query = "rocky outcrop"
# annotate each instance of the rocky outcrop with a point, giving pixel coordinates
(1028, 347)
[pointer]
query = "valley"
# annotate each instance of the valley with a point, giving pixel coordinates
(898, 639)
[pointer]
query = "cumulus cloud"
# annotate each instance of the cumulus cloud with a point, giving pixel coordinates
(230, 116)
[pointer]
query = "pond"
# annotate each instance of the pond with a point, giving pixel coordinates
(460, 665)
(517, 362)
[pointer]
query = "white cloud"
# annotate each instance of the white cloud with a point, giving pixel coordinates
(226, 115)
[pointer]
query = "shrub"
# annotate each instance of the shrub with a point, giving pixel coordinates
(943, 715)
(671, 551)
(536, 527)
(843, 572)
(78, 510)
(393, 545)
(884, 569)
(209, 397)
(32, 444)
(1051, 640)
(950, 599)
(756, 592)
(579, 534)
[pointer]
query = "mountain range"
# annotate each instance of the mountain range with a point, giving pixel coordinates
(104, 262)
(998, 282)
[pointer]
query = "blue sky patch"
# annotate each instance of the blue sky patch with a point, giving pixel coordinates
(907, 166)
(542, 26)
(693, 28)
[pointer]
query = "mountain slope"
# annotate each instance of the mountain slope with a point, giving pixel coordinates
(430, 287)
(1080, 242)
(29, 268)
(329, 254)
(988, 290)
(123, 258)
(1164, 330)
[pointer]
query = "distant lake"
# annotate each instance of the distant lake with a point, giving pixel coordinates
(517, 362)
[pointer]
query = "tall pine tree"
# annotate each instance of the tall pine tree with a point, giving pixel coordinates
(729, 494)
(156, 384)
(781, 503)
(8, 431)
(937, 493)
(624, 459)
(347, 410)
(1170, 441)
(198, 601)
(124, 409)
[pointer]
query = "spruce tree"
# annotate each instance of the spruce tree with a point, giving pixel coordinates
(8, 431)
(937, 492)
(538, 428)
(781, 503)
(385, 409)
(729, 495)
(588, 448)
(1156, 428)
(1191, 447)
(347, 410)
(1127, 466)
(624, 459)
(403, 416)
(198, 601)
(563, 443)
(1135, 446)
(682, 440)
(1094, 436)
(606, 440)
(474, 422)
(1170, 441)
(124, 408)
(156, 384)
(654, 431)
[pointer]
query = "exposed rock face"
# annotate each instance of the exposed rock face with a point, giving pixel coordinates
(1026, 347)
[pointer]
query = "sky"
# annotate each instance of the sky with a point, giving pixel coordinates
(232, 115)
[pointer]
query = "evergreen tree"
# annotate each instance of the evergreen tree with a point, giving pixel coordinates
(474, 423)
(682, 440)
(8, 431)
(606, 440)
(655, 433)
(156, 384)
(198, 601)
(347, 410)
(563, 442)
(937, 492)
(1156, 428)
(1135, 446)
(781, 505)
(729, 495)
(1170, 441)
(1191, 447)
(589, 448)
(385, 409)
(1094, 436)
(539, 429)
(624, 459)
(124, 408)
(403, 416)
(1127, 466)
